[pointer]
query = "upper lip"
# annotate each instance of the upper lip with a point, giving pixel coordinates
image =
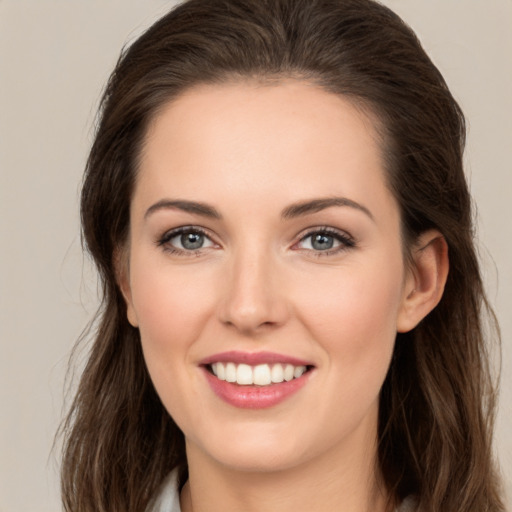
(253, 358)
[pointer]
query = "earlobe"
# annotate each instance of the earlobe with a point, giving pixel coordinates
(122, 270)
(426, 280)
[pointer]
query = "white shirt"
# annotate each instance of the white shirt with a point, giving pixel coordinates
(168, 498)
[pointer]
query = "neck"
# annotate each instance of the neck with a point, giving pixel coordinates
(324, 483)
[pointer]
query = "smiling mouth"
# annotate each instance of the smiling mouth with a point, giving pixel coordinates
(257, 375)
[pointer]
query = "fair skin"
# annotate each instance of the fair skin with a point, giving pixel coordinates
(230, 250)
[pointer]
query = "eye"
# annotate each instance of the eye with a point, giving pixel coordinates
(185, 239)
(325, 240)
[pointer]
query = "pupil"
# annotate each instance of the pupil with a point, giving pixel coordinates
(322, 242)
(192, 240)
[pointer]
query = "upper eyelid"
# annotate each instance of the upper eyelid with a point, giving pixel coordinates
(341, 233)
(180, 229)
(325, 229)
(171, 233)
(345, 240)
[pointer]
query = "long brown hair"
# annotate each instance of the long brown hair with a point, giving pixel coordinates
(437, 403)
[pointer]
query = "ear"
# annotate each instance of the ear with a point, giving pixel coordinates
(425, 280)
(122, 270)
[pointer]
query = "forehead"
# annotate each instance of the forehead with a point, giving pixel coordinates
(284, 140)
(286, 108)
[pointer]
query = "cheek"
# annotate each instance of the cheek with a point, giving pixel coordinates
(354, 323)
(170, 303)
(353, 298)
(172, 309)
(352, 315)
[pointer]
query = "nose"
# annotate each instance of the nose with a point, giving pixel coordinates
(254, 298)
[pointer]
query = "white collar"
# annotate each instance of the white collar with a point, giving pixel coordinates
(168, 497)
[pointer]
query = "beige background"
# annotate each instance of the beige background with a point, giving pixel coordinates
(54, 59)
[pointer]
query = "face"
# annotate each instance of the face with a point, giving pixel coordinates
(265, 272)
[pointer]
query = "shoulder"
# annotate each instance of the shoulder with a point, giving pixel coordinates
(167, 499)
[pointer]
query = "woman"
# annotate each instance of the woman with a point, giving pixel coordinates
(292, 303)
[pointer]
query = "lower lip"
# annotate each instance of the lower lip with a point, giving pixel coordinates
(254, 397)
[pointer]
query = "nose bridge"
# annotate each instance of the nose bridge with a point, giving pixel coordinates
(252, 296)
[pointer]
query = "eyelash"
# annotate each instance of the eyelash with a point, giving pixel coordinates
(164, 240)
(345, 241)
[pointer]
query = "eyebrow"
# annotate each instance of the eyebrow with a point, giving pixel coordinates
(202, 209)
(316, 205)
(295, 210)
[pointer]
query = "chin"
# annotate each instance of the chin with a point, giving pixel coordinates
(258, 461)
(263, 452)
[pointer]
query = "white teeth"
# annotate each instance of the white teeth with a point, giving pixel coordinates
(231, 372)
(288, 372)
(277, 373)
(221, 371)
(299, 370)
(244, 374)
(259, 375)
